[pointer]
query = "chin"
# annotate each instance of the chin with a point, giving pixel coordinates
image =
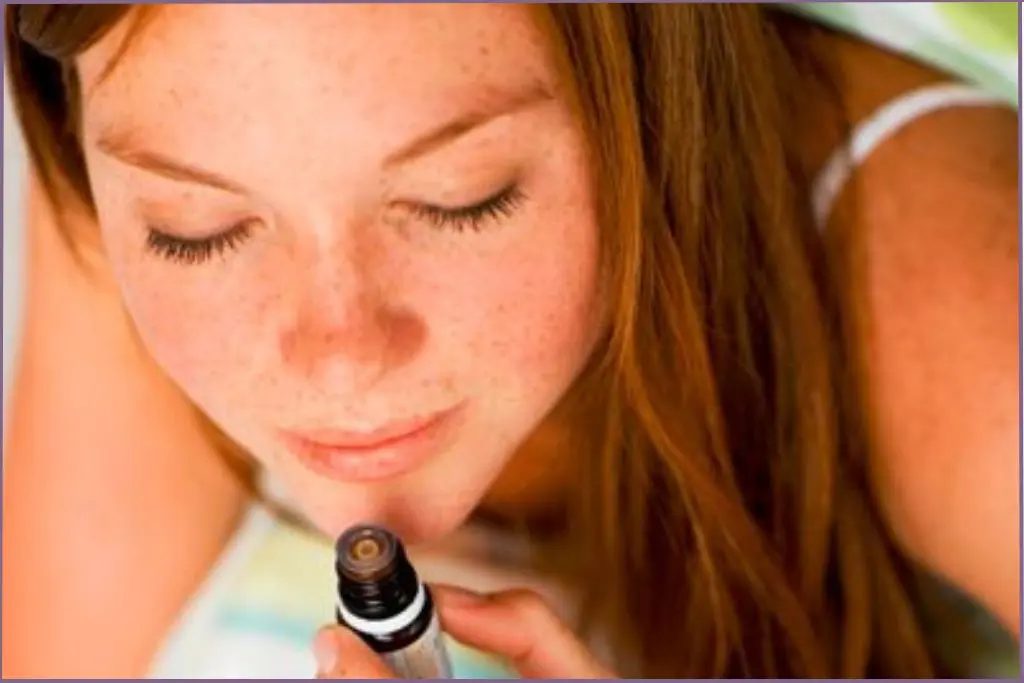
(418, 529)
(422, 506)
(416, 517)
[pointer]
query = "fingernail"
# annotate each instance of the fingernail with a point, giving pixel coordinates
(453, 596)
(325, 649)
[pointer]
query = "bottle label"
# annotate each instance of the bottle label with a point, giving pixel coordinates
(427, 657)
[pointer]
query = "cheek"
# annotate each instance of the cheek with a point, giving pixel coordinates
(535, 314)
(540, 294)
(192, 321)
(539, 306)
(188, 329)
(202, 325)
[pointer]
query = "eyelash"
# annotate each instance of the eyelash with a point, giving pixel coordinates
(196, 251)
(496, 207)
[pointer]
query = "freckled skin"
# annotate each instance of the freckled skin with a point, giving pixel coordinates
(344, 309)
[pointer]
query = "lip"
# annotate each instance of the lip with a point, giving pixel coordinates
(385, 453)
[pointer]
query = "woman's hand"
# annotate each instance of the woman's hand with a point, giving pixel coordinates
(516, 626)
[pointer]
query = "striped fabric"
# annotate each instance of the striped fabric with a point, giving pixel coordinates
(274, 587)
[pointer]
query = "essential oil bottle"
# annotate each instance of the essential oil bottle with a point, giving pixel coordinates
(381, 599)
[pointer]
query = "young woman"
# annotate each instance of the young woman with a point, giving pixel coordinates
(599, 271)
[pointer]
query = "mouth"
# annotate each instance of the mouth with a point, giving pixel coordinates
(384, 453)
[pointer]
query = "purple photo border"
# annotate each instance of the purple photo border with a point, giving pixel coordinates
(4, 133)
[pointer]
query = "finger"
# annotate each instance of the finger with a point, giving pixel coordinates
(340, 653)
(520, 627)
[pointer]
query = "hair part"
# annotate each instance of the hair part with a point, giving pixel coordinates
(723, 526)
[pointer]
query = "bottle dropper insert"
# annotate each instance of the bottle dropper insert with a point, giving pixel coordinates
(365, 553)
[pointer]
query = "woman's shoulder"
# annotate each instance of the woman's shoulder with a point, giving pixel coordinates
(929, 128)
(934, 208)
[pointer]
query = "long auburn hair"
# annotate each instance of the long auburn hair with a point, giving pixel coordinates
(723, 522)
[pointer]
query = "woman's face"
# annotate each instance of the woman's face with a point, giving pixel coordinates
(361, 238)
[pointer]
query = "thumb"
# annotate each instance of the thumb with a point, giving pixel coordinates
(340, 653)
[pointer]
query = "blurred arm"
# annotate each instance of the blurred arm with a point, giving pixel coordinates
(115, 504)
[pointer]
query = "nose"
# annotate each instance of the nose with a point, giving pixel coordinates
(347, 332)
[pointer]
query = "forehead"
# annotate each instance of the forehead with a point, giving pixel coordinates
(300, 64)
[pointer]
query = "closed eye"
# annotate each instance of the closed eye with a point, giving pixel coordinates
(198, 250)
(495, 208)
(194, 251)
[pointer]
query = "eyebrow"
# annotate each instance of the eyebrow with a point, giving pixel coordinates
(465, 123)
(124, 147)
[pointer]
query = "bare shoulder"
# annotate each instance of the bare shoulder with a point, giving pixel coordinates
(115, 503)
(937, 213)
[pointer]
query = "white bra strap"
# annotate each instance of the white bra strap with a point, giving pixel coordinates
(870, 133)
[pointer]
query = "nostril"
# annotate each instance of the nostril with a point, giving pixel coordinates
(367, 345)
(408, 336)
